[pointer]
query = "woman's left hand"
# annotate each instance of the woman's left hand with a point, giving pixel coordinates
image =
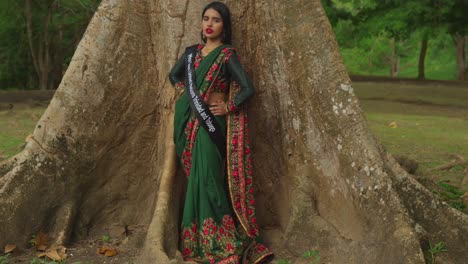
(218, 108)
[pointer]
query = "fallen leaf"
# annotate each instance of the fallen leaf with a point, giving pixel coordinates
(393, 124)
(42, 254)
(54, 255)
(62, 250)
(9, 248)
(107, 251)
(40, 241)
(103, 249)
(41, 248)
(110, 252)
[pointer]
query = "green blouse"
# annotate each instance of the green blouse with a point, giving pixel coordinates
(232, 70)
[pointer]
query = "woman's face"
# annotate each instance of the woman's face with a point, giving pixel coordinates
(212, 24)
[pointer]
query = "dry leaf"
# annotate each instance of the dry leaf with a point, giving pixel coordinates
(41, 248)
(40, 241)
(9, 248)
(110, 252)
(107, 251)
(61, 250)
(102, 249)
(54, 255)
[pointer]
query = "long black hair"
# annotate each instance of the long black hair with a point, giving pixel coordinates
(223, 10)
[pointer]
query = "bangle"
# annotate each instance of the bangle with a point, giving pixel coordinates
(226, 108)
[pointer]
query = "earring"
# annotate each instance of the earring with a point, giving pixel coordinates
(203, 37)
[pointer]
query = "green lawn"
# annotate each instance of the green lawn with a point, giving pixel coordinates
(431, 122)
(15, 126)
(428, 139)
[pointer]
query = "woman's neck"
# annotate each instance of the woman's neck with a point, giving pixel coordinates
(211, 44)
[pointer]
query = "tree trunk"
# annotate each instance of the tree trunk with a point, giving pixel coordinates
(394, 59)
(461, 56)
(40, 51)
(29, 28)
(422, 58)
(102, 153)
(58, 71)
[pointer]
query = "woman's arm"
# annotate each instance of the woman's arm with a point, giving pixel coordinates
(239, 75)
(176, 76)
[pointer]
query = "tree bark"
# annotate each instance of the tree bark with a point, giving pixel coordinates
(422, 58)
(394, 59)
(104, 145)
(461, 56)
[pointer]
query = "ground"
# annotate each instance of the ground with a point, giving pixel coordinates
(424, 121)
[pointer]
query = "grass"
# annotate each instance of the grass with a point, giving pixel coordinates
(4, 259)
(434, 250)
(15, 126)
(310, 257)
(46, 261)
(431, 122)
(432, 96)
(428, 139)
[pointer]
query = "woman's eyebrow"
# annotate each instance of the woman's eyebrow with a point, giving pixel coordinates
(212, 17)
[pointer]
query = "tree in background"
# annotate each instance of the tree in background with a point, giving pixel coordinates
(38, 38)
(457, 24)
(14, 50)
(372, 21)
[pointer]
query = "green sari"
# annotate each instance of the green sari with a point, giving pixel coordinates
(210, 230)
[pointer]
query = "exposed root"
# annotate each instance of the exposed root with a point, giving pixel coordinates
(64, 223)
(457, 160)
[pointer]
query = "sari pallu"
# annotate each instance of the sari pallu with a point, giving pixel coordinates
(219, 224)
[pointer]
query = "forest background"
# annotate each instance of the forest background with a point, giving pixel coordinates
(410, 39)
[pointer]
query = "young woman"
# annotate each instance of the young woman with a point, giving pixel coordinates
(212, 144)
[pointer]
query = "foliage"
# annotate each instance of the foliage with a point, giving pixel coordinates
(46, 261)
(4, 259)
(452, 195)
(312, 255)
(56, 41)
(309, 255)
(434, 250)
(376, 36)
(32, 241)
(105, 238)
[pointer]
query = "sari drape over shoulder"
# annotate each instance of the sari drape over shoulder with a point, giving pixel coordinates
(218, 223)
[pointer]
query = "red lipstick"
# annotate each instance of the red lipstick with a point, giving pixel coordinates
(209, 30)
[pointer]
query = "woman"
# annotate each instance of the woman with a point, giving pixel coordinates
(218, 223)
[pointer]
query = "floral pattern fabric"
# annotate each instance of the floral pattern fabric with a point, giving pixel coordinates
(219, 224)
